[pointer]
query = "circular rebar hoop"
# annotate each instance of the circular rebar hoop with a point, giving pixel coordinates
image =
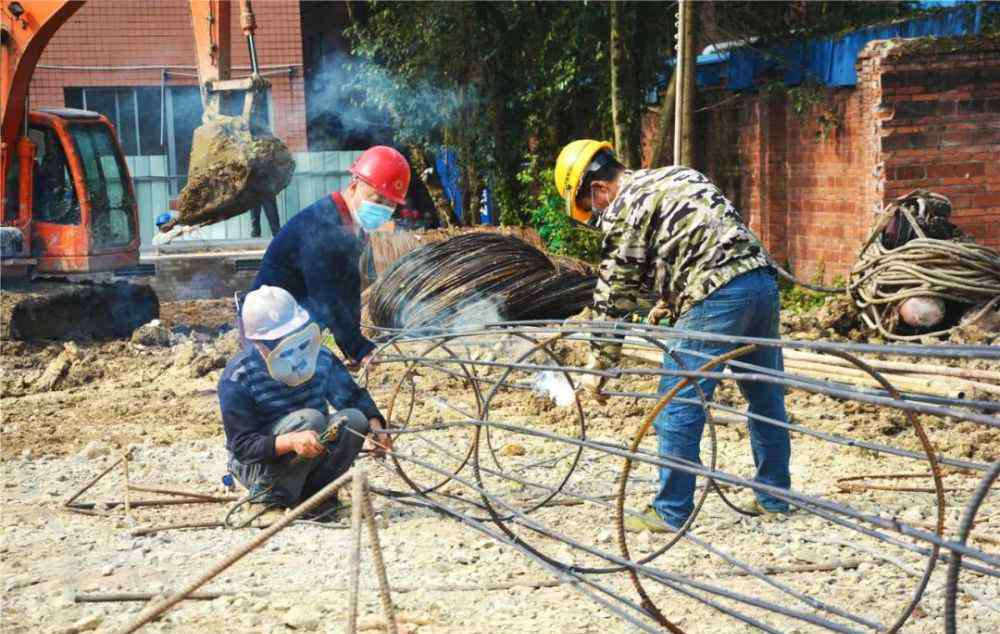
(417, 488)
(669, 396)
(709, 482)
(645, 600)
(539, 346)
(925, 443)
(955, 565)
(542, 338)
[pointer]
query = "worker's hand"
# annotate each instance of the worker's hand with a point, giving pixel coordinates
(379, 443)
(355, 366)
(303, 443)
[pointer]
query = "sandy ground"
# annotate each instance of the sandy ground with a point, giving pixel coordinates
(69, 410)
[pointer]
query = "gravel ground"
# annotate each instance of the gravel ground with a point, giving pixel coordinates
(448, 577)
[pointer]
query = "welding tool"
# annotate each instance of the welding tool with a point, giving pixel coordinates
(329, 435)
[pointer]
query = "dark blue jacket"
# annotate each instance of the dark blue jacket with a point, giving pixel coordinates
(315, 258)
(251, 401)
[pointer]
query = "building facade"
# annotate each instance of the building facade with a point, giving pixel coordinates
(134, 62)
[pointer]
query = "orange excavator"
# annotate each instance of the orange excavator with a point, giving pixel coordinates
(67, 205)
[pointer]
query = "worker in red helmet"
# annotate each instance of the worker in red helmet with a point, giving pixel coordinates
(315, 255)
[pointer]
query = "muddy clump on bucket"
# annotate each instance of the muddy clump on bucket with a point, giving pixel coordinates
(231, 171)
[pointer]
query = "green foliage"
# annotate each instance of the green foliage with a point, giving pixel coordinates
(507, 84)
(504, 83)
(547, 213)
(809, 101)
(737, 19)
(798, 299)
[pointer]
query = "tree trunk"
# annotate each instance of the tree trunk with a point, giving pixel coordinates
(442, 206)
(624, 88)
(661, 152)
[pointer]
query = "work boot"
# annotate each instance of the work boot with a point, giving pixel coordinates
(328, 512)
(770, 515)
(264, 514)
(650, 520)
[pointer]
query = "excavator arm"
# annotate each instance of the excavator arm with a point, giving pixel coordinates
(236, 162)
(25, 29)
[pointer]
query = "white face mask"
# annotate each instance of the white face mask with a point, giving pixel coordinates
(293, 361)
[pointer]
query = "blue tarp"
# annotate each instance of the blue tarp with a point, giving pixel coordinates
(829, 61)
(446, 166)
(450, 173)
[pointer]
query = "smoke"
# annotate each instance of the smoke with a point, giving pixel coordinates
(556, 386)
(475, 314)
(352, 97)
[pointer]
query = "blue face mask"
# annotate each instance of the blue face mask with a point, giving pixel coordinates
(371, 215)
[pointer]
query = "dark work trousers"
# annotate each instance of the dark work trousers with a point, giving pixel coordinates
(288, 481)
(270, 207)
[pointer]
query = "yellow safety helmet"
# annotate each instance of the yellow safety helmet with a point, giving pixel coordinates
(571, 166)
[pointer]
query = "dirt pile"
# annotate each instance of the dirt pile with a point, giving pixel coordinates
(159, 386)
(231, 171)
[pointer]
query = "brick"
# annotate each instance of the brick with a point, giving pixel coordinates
(909, 109)
(964, 170)
(972, 106)
(910, 172)
(986, 199)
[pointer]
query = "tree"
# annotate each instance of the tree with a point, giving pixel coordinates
(506, 84)
(501, 82)
(624, 82)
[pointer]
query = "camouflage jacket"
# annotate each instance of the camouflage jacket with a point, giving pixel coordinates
(672, 232)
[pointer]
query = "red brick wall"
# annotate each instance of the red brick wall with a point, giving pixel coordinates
(930, 121)
(157, 33)
(939, 123)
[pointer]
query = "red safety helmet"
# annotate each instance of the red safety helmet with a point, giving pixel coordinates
(386, 170)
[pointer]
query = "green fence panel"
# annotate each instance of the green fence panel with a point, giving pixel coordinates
(316, 175)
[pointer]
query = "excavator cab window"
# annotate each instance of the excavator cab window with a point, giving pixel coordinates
(111, 203)
(55, 197)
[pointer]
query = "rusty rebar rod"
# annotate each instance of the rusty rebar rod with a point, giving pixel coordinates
(156, 609)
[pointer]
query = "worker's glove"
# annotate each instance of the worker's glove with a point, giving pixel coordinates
(593, 384)
(658, 313)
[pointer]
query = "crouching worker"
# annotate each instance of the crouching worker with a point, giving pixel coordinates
(274, 395)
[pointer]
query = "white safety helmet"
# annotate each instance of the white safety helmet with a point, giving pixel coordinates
(271, 313)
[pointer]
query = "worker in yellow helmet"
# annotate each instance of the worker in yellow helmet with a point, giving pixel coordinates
(671, 232)
(577, 162)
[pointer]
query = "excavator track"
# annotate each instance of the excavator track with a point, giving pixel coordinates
(65, 310)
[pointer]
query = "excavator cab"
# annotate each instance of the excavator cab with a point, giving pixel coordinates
(84, 217)
(73, 210)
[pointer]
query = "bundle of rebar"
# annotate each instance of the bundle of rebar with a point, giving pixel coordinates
(935, 263)
(385, 247)
(474, 279)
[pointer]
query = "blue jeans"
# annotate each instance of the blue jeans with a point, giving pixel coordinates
(747, 305)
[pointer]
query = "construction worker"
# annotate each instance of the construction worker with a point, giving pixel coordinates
(672, 232)
(269, 205)
(315, 255)
(165, 222)
(274, 396)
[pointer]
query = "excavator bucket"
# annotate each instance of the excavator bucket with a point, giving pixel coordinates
(235, 165)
